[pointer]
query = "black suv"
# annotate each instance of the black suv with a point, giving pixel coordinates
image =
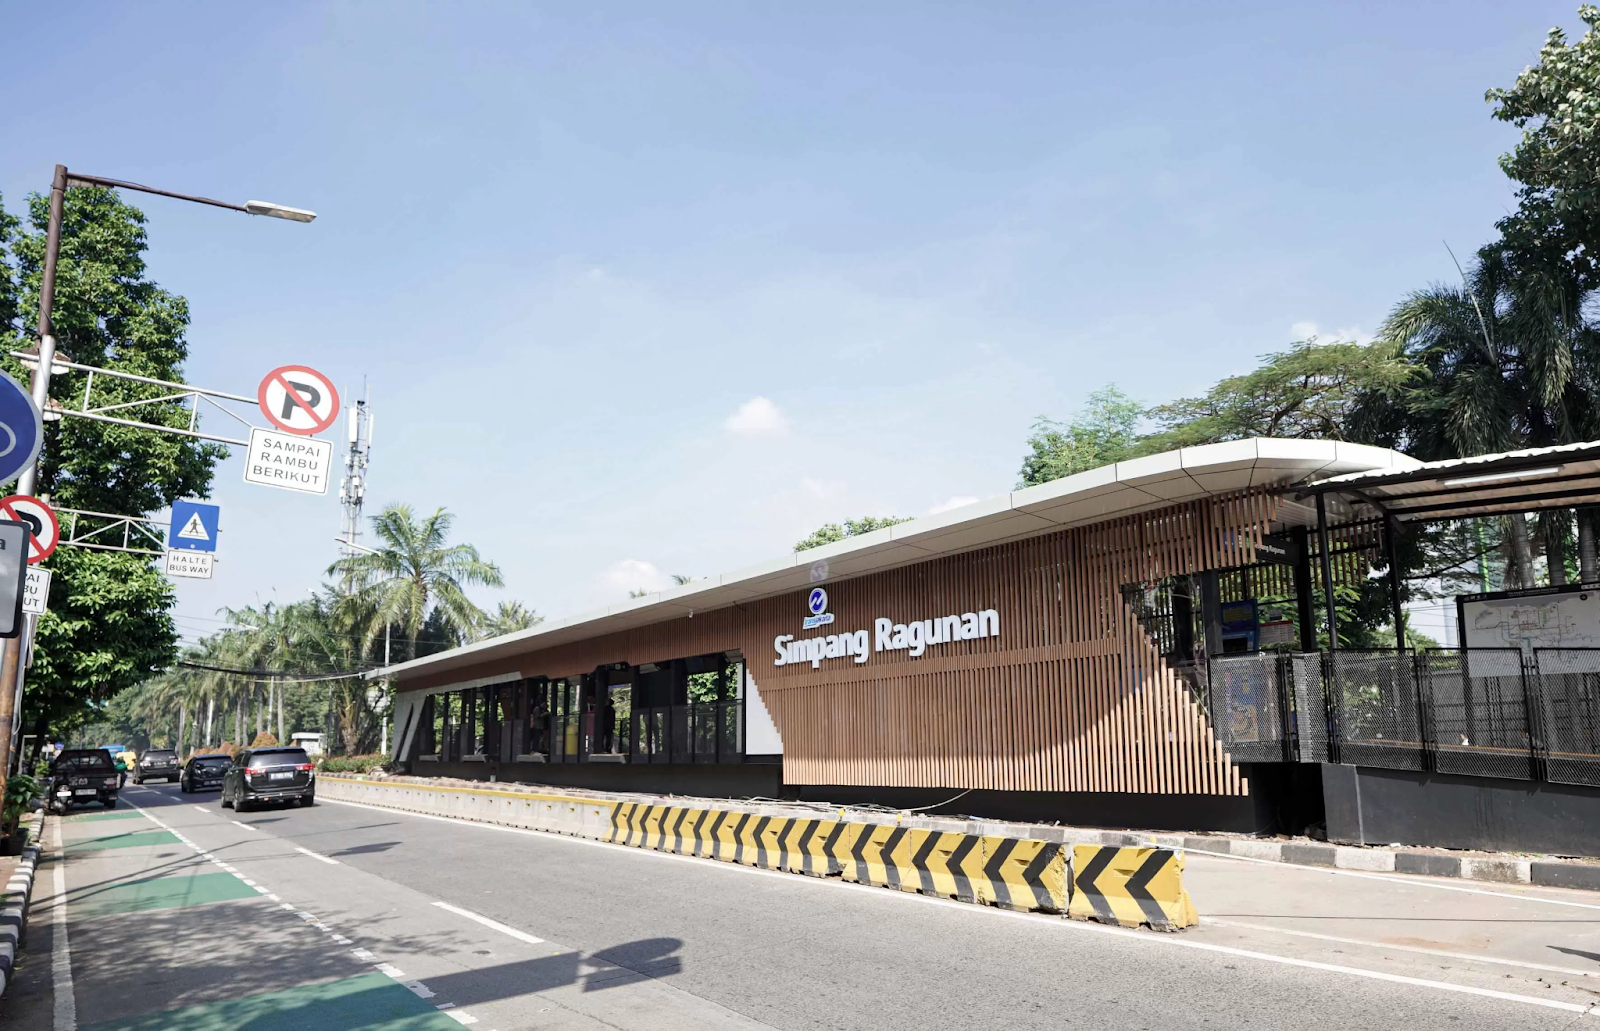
(79, 776)
(269, 775)
(156, 763)
(203, 772)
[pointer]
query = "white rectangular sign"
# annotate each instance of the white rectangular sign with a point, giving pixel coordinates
(193, 564)
(36, 591)
(288, 461)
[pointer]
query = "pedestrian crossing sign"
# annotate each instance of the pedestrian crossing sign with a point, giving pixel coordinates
(194, 526)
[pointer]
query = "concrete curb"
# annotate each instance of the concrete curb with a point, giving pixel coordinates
(1494, 869)
(14, 915)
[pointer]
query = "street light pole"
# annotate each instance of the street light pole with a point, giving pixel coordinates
(11, 664)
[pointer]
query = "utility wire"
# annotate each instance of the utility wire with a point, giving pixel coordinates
(278, 674)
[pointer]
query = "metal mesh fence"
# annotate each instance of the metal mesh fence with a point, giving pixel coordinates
(1477, 712)
(1374, 697)
(1567, 694)
(1247, 706)
(1310, 718)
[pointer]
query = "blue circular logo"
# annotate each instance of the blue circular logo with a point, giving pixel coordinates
(818, 602)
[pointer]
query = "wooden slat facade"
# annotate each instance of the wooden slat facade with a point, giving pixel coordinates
(1071, 696)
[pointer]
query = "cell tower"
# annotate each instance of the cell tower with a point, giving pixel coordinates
(353, 488)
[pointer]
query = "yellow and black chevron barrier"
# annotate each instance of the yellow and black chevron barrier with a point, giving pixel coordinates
(1011, 872)
(1130, 886)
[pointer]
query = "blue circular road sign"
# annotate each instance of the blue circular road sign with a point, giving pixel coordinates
(21, 429)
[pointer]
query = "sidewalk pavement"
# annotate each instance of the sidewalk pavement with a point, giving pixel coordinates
(158, 936)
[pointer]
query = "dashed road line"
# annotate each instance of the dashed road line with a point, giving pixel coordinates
(1402, 948)
(1065, 926)
(315, 855)
(493, 924)
(416, 987)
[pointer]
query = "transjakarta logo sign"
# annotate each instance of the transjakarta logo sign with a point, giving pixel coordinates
(886, 636)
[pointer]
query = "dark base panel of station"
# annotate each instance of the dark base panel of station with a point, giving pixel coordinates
(706, 780)
(1367, 806)
(1284, 802)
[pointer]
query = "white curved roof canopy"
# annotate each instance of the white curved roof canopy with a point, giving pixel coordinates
(1088, 497)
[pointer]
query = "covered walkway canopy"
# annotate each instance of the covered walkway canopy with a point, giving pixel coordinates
(1565, 476)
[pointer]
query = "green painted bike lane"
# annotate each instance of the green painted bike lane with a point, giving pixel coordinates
(163, 937)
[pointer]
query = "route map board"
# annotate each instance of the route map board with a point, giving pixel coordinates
(1562, 617)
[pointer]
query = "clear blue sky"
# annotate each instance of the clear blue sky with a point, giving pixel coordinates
(643, 289)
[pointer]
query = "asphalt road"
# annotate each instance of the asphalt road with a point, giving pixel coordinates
(587, 935)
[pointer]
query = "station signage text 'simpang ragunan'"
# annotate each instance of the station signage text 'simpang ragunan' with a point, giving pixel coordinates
(886, 635)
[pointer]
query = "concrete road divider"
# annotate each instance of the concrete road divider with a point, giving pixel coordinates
(1130, 886)
(1122, 885)
(1009, 872)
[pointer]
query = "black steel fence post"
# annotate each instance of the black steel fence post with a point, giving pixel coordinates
(1533, 717)
(1422, 681)
(1332, 707)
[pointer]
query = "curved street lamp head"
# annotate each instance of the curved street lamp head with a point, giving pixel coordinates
(266, 207)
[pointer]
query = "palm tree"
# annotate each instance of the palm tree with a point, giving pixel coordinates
(1510, 363)
(508, 618)
(416, 573)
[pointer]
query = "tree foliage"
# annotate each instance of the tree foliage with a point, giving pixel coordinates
(829, 533)
(1313, 390)
(416, 573)
(1105, 431)
(1556, 163)
(108, 623)
(507, 618)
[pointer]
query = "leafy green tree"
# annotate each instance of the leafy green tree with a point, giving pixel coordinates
(1105, 431)
(108, 624)
(829, 533)
(508, 618)
(1556, 163)
(416, 573)
(1312, 390)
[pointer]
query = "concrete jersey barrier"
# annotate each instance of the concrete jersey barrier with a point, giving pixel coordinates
(1014, 873)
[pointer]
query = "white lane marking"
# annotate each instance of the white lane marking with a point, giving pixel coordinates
(392, 970)
(287, 906)
(203, 809)
(314, 855)
(460, 1016)
(364, 955)
(66, 1003)
(1410, 881)
(246, 826)
(1143, 937)
(485, 921)
(1402, 948)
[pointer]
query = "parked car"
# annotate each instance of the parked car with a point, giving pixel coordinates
(269, 775)
(156, 763)
(79, 776)
(203, 772)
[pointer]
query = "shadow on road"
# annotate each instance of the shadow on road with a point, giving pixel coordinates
(376, 846)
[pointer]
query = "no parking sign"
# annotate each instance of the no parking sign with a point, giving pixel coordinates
(298, 400)
(44, 532)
